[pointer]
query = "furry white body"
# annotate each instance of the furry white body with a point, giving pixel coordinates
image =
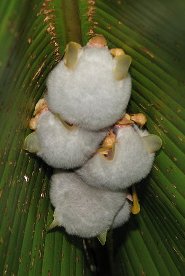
(83, 210)
(88, 96)
(60, 147)
(131, 162)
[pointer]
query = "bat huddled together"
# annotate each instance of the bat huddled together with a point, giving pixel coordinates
(81, 129)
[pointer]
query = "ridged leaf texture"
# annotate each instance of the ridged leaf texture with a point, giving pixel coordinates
(33, 35)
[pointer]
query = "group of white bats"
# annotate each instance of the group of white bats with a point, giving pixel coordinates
(81, 129)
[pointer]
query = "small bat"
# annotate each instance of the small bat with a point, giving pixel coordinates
(132, 161)
(84, 210)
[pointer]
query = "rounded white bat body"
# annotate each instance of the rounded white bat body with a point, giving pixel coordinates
(88, 95)
(65, 148)
(131, 162)
(83, 210)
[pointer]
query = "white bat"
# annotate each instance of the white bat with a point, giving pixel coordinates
(132, 161)
(90, 87)
(62, 146)
(83, 210)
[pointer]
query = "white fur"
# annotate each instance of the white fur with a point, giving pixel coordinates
(123, 215)
(63, 148)
(131, 163)
(88, 96)
(83, 210)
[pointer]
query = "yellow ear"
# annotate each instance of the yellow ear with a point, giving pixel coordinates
(152, 143)
(136, 206)
(102, 237)
(31, 143)
(71, 54)
(122, 66)
(54, 224)
(115, 52)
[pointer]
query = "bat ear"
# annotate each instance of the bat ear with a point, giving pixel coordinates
(115, 52)
(136, 206)
(152, 143)
(102, 237)
(31, 143)
(122, 66)
(54, 224)
(71, 54)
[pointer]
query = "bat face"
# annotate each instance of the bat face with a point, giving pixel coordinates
(62, 147)
(81, 209)
(89, 94)
(130, 164)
